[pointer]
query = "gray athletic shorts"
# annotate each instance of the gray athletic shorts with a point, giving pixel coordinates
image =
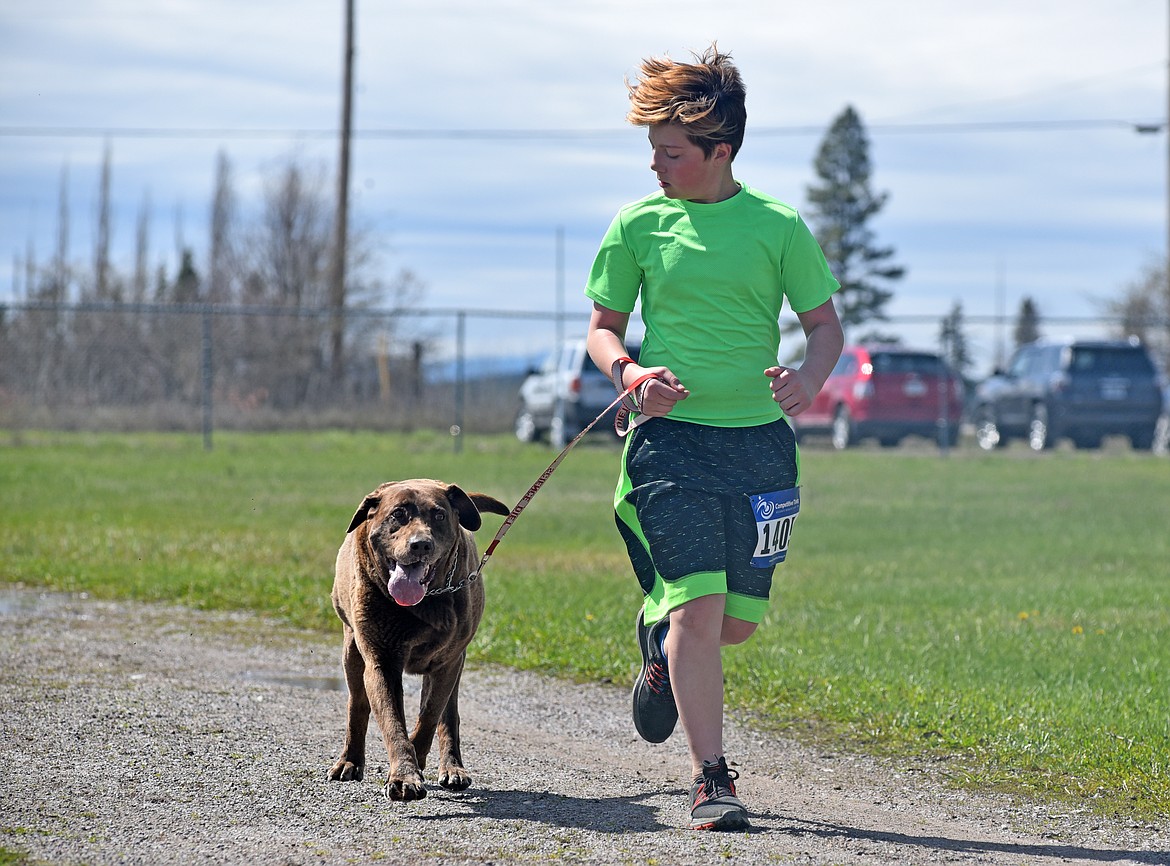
(682, 508)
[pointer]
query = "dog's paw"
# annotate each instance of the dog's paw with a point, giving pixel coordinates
(408, 787)
(454, 778)
(346, 771)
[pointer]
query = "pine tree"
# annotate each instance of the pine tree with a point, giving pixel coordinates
(840, 210)
(186, 288)
(956, 350)
(1027, 323)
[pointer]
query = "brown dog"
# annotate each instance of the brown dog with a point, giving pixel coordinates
(403, 595)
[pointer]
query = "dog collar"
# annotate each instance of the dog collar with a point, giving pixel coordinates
(443, 590)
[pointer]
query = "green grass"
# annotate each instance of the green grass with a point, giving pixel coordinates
(8, 857)
(1008, 613)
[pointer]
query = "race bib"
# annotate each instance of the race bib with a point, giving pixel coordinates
(775, 514)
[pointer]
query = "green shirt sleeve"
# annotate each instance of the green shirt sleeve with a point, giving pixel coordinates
(804, 274)
(616, 276)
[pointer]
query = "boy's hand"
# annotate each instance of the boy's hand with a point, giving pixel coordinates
(658, 396)
(791, 389)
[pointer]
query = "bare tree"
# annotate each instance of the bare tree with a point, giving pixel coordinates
(30, 268)
(1144, 312)
(58, 285)
(292, 246)
(219, 254)
(101, 251)
(285, 356)
(45, 330)
(142, 250)
(277, 354)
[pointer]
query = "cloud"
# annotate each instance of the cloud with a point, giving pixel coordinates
(1065, 211)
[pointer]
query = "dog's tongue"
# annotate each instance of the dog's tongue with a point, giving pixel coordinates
(406, 585)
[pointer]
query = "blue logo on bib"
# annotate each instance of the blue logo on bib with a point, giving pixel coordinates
(775, 514)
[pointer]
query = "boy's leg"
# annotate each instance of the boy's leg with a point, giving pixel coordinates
(693, 646)
(696, 671)
(736, 631)
(692, 624)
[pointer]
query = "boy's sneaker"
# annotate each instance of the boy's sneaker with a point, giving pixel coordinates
(714, 805)
(655, 713)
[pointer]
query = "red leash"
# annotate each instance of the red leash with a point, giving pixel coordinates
(527, 497)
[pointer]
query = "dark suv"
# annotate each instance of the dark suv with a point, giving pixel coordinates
(1082, 389)
(887, 392)
(564, 395)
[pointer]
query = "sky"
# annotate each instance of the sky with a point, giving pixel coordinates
(1004, 133)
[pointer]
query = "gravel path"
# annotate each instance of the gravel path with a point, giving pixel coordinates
(155, 735)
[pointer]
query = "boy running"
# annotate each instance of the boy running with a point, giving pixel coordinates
(711, 262)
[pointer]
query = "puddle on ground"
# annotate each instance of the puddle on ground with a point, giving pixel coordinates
(14, 600)
(298, 681)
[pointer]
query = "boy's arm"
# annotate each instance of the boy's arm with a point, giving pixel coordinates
(795, 388)
(606, 340)
(606, 343)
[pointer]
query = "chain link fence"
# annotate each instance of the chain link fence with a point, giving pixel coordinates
(204, 367)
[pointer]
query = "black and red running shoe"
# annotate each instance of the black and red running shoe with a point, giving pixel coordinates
(714, 805)
(655, 713)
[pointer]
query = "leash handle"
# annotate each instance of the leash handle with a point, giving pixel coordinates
(630, 400)
(536, 485)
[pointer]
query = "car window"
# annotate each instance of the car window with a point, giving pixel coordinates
(1105, 360)
(924, 364)
(590, 369)
(1049, 360)
(846, 365)
(1022, 363)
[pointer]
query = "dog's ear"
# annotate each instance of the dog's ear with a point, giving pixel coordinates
(468, 514)
(490, 504)
(364, 511)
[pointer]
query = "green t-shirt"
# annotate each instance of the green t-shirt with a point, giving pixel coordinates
(712, 279)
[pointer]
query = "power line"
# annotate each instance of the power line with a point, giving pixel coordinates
(388, 134)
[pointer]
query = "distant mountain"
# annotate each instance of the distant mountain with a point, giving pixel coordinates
(483, 367)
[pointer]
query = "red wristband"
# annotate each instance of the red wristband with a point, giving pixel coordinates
(615, 372)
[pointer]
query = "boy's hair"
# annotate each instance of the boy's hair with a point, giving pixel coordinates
(706, 98)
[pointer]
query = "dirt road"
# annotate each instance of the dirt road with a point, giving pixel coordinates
(153, 735)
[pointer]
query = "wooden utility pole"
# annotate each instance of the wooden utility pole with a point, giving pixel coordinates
(341, 236)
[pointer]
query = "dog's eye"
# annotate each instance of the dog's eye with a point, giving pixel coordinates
(399, 515)
(440, 515)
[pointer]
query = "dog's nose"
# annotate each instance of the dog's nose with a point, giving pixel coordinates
(421, 546)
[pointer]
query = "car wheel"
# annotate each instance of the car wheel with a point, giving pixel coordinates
(843, 430)
(525, 426)
(1144, 439)
(987, 433)
(1041, 436)
(558, 434)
